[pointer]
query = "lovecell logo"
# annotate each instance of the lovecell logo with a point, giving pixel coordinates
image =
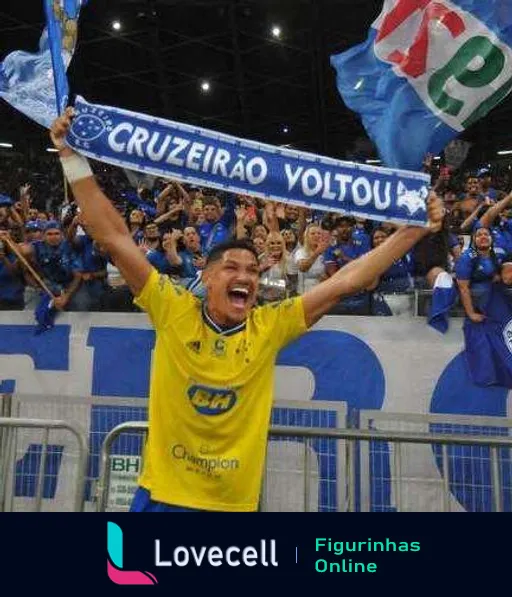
(115, 561)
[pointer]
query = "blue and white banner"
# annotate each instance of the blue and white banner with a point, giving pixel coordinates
(428, 70)
(28, 81)
(203, 157)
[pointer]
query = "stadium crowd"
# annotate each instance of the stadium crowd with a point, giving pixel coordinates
(44, 241)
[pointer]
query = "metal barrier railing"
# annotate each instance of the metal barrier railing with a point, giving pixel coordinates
(10, 429)
(99, 414)
(424, 470)
(5, 412)
(351, 437)
(103, 485)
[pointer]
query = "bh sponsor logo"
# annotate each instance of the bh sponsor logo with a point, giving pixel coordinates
(211, 401)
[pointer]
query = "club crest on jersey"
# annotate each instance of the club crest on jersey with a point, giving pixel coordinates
(219, 348)
(211, 401)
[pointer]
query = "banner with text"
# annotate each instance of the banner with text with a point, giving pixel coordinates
(203, 157)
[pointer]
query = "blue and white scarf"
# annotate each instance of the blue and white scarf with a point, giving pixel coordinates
(202, 157)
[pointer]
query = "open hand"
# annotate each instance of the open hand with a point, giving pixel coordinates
(241, 214)
(25, 191)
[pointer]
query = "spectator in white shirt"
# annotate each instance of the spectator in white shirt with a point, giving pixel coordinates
(310, 257)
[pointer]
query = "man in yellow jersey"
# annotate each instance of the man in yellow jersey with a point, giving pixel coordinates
(213, 365)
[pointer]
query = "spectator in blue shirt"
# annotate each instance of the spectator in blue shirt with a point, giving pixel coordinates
(398, 277)
(360, 236)
(487, 216)
(152, 238)
(136, 222)
(476, 269)
(156, 252)
(93, 267)
(217, 226)
(188, 258)
(33, 231)
(340, 255)
(500, 227)
(346, 250)
(11, 278)
(486, 188)
(58, 265)
(94, 272)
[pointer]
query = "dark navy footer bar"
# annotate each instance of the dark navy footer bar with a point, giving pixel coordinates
(352, 551)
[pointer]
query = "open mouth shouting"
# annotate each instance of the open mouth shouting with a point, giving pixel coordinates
(239, 296)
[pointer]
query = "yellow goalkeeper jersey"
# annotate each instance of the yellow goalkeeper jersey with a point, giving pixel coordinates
(210, 398)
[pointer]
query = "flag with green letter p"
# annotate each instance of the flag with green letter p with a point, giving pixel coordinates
(428, 70)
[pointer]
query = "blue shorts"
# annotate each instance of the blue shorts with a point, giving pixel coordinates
(142, 502)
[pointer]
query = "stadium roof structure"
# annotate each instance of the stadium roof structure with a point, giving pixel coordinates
(253, 68)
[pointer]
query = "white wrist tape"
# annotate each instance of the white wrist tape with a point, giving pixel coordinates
(76, 167)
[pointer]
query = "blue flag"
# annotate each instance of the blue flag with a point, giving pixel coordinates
(132, 198)
(428, 70)
(489, 344)
(444, 297)
(62, 22)
(45, 314)
(26, 80)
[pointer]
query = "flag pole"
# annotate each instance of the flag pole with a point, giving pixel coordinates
(35, 275)
(65, 185)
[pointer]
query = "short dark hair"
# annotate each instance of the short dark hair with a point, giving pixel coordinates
(344, 220)
(210, 200)
(218, 251)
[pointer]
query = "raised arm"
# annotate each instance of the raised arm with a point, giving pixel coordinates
(25, 200)
(241, 215)
(228, 217)
(164, 217)
(468, 222)
(361, 273)
(170, 246)
(487, 220)
(104, 223)
(185, 197)
(302, 225)
(270, 217)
